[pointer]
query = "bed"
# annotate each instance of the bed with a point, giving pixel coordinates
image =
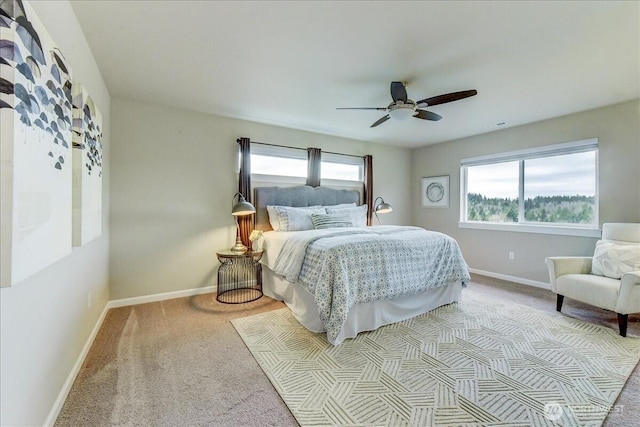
(346, 280)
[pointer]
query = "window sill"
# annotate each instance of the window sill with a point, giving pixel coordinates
(537, 229)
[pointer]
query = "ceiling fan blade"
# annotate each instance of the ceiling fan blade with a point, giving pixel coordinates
(449, 97)
(427, 115)
(362, 108)
(398, 92)
(380, 121)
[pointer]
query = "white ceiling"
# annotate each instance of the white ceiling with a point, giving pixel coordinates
(292, 63)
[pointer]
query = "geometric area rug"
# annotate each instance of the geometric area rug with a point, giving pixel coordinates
(477, 362)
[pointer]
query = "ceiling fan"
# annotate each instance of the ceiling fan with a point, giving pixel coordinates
(402, 107)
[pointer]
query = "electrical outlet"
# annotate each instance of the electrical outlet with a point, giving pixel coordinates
(89, 300)
(512, 255)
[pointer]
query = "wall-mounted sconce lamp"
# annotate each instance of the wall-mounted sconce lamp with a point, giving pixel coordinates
(240, 208)
(381, 207)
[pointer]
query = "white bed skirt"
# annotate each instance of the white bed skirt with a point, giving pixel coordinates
(362, 317)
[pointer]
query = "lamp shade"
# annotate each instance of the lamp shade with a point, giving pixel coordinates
(242, 207)
(382, 207)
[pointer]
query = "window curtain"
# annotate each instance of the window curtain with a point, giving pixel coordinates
(245, 222)
(314, 156)
(368, 187)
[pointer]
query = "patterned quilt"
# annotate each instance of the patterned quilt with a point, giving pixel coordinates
(346, 267)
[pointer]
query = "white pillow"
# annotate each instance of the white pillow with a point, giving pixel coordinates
(330, 221)
(614, 259)
(357, 214)
(274, 214)
(287, 218)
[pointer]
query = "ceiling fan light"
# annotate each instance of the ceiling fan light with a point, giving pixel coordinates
(401, 114)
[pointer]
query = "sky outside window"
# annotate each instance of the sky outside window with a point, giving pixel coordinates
(342, 171)
(566, 175)
(283, 166)
(289, 166)
(499, 180)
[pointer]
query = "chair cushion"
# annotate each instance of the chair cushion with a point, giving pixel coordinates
(598, 291)
(613, 259)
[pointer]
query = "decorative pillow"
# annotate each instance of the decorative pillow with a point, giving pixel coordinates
(357, 214)
(330, 220)
(275, 214)
(287, 218)
(614, 259)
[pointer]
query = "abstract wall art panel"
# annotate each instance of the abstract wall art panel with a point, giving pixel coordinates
(35, 146)
(87, 167)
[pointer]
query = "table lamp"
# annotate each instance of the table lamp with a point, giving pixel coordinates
(381, 207)
(240, 208)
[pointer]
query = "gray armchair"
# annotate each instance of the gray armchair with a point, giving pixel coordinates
(609, 280)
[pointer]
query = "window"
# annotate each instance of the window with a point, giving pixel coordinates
(339, 167)
(550, 189)
(278, 161)
(492, 192)
(284, 165)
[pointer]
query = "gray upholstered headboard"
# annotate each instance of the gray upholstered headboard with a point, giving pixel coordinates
(303, 195)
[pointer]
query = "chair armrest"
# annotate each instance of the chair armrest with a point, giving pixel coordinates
(559, 266)
(629, 295)
(569, 265)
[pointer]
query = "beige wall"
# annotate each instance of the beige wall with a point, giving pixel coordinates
(618, 129)
(174, 173)
(45, 321)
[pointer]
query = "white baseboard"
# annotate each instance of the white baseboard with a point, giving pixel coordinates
(160, 297)
(66, 388)
(514, 279)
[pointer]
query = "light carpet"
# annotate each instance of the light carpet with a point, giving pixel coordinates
(478, 362)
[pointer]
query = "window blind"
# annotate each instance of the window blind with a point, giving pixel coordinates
(531, 153)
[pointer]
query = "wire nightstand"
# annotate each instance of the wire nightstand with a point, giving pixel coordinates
(239, 277)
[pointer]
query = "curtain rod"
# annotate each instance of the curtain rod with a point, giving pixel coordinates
(298, 148)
